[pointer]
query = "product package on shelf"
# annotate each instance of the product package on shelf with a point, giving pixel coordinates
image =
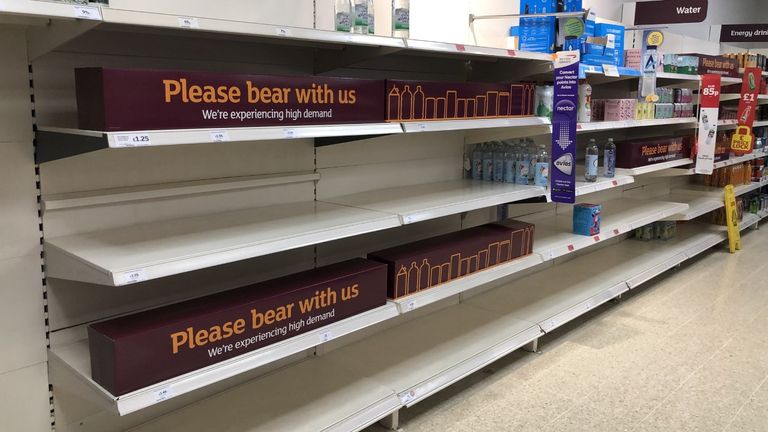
(661, 230)
(586, 219)
(417, 100)
(426, 264)
(135, 351)
(640, 152)
(537, 34)
(136, 99)
(738, 174)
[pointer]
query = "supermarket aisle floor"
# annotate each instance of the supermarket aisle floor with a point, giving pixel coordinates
(687, 352)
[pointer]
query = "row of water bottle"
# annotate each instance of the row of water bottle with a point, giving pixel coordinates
(518, 161)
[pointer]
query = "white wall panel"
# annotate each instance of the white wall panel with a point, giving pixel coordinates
(21, 313)
(15, 106)
(19, 234)
(24, 403)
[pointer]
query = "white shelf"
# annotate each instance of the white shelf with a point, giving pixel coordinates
(461, 49)
(697, 206)
(50, 9)
(472, 124)
(721, 164)
(466, 283)
(717, 192)
(653, 167)
(602, 183)
(677, 76)
(166, 21)
(759, 123)
(554, 234)
(141, 252)
(432, 200)
(625, 124)
(75, 358)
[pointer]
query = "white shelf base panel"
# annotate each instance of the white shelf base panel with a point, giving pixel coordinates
(360, 383)
(554, 234)
(625, 124)
(653, 167)
(432, 200)
(148, 251)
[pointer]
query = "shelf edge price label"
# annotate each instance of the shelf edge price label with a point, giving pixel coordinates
(219, 136)
(164, 393)
(611, 70)
(326, 336)
(407, 397)
(282, 31)
(88, 13)
(131, 277)
(133, 140)
(289, 133)
(411, 305)
(188, 22)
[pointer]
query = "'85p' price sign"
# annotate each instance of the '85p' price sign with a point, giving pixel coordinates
(708, 115)
(743, 140)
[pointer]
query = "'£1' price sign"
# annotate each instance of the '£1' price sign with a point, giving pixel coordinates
(750, 87)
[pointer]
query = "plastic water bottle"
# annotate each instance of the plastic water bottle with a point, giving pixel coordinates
(591, 161)
(609, 159)
(541, 175)
(487, 162)
(401, 18)
(370, 17)
(344, 15)
(361, 17)
(509, 163)
(522, 167)
(533, 159)
(498, 162)
(477, 162)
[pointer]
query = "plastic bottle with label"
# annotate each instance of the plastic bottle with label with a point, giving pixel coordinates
(545, 96)
(477, 162)
(591, 161)
(401, 18)
(609, 159)
(522, 166)
(487, 162)
(370, 17)
(585, 103)
(361, 17)
(533, 151)
(344, 15)
(509, 163)
(498, 162)
(541, 174)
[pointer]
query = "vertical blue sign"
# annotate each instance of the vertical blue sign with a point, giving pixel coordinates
(564, 109)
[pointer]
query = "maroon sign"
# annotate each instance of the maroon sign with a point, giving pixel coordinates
(641, 152)
(135, 351)
(125, 99)
(744, 33)
(425, 264)
(436, 100)
(670, 12)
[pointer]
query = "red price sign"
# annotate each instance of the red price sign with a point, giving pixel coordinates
(710, 91)
(742, 141)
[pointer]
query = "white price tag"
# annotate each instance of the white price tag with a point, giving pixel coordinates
(133, 140)
(282, 31)
(552, 324)
(188, 22)
(411, 305)
(131, 277)
(611, 70)
(289, 133)
(407, 398)
(219, 136)
(421, 127)
(88, 12)
(610, 41)
(163, 394)
(325, 337)
(588, 306)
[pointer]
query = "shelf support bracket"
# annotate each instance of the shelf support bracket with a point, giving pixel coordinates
(392, 421)
(42, 40)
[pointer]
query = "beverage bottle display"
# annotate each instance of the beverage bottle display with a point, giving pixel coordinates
(370, 17)
(361, 17)
(344, 15)
(544, 102)
(609, 158)
(533, 157)
(509, 164)
(477, 162)
(585, 103)
(401, 17)
(591, 161)
(487, 162)
(541, 174)
(498, 162)
(522, 167)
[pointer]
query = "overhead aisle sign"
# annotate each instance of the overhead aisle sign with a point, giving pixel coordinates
(708, 115)
(743, 140)
(564, 110)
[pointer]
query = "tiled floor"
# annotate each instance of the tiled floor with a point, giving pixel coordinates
(687, 352)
